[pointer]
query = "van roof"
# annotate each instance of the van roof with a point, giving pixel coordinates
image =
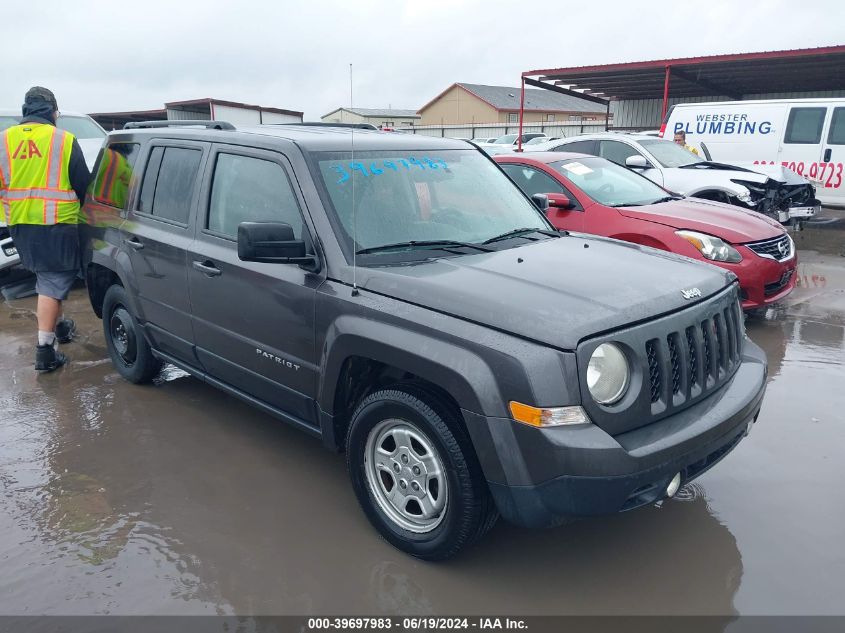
(709, 104)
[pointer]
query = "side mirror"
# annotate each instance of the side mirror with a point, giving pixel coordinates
(637, 162)
(541, 200)
(271, 242)
(559, 201)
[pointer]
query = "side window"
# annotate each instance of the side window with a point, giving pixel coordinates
(836, 136)
(168, 183)
(247, 189)
(804, 125)
(532, 180)
(616, 152)
(581, 147)
(114, 174)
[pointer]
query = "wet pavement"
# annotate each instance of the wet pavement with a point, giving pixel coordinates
(177, 499)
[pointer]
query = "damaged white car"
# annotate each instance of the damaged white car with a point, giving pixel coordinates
(772, 190)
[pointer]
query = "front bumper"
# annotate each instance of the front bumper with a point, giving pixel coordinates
(539, 477)
(804, 211)
(763, 281)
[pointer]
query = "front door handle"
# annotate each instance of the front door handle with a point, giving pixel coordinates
(207, 268)
(827, 154)
(134, 243)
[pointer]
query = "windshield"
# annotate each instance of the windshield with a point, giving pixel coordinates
(610, 184)
(537, 140)
(669, 153)
(80, 127)
(455, 195)
(506, 139)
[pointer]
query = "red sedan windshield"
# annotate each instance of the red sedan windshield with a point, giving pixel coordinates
(608, 183)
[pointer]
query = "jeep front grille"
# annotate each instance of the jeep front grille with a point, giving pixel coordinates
(778, 248)
(676, 376)
(677, 360)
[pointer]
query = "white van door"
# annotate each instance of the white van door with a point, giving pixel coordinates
(831, 176)
(801, 145)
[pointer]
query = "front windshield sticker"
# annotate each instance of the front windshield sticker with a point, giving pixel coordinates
(377, 168)
(579, 169)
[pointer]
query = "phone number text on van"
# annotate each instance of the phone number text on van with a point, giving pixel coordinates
(827, 174)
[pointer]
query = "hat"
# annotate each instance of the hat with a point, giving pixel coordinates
(37, 93)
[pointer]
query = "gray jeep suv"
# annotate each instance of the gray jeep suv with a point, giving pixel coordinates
(399, 298)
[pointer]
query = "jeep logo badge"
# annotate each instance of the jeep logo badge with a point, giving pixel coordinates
(691, 293)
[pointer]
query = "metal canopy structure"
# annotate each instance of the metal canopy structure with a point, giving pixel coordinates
(732, 76)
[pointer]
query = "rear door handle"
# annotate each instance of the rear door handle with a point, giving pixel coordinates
(827, 154)
(207, 268)
(134, 243)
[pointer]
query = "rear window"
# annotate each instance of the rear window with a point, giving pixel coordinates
(114, 174)
(579, 147)
(805, 126)
(167, 189)
(80, 127)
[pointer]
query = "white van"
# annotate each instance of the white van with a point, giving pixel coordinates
(805, 135)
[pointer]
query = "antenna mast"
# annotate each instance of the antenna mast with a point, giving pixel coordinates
(354, 226)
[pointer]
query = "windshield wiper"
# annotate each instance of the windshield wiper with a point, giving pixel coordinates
(644, 204)
(519, 232)
(421, 244)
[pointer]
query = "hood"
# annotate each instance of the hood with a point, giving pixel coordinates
(557, 291)
(728, 222)
(711, 172)
(90, 149)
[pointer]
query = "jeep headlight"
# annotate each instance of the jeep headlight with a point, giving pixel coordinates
(711, 247)
(608, 374)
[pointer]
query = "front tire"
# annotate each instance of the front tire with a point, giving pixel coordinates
(128, 347)
(415, 474)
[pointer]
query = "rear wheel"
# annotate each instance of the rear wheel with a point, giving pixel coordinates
(128, 348)
(415, 474)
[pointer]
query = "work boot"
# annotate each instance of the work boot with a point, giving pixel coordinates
(47, 359)
(65, 329)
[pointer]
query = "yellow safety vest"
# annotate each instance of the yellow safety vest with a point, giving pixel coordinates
(112, 182)
(34, 180)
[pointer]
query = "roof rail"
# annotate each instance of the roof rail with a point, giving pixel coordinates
(356, 126)
(210, 125)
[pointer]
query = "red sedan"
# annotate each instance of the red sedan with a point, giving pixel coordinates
(592, 195)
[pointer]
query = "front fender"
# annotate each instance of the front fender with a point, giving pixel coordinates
(458, 371)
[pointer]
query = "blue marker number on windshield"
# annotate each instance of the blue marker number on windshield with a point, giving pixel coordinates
(377, 168)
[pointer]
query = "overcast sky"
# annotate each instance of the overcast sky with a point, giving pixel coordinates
(102, 57)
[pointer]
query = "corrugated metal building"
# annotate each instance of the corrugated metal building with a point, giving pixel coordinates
(640, 93)
(380, 117)
(231, 111)
(206, 109)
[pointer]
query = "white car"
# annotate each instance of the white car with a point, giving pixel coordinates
(90, 136)
(806, 136)
(86, 130)
(773, 190)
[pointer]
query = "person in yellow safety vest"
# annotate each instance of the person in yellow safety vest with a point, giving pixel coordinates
(43, 178)
(111, 183)
(681, 139)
